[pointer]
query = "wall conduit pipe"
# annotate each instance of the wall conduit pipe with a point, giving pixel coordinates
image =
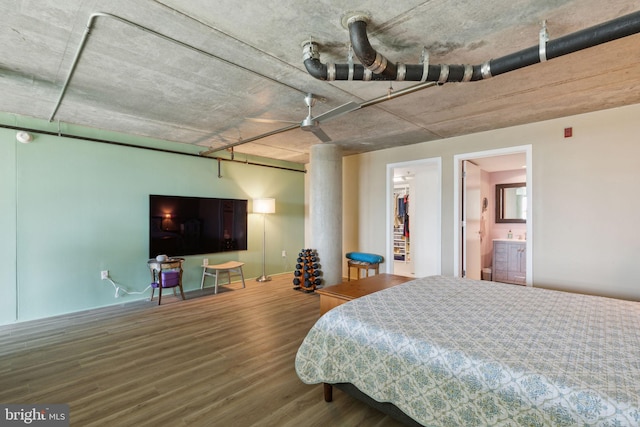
(375, 66)
(87, 32)
(142, 147)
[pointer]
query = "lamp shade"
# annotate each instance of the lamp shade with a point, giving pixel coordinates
(264, 206)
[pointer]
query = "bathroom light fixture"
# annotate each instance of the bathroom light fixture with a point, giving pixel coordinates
(264, 206)
(24, 137)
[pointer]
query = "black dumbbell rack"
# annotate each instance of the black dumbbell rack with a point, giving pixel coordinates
(307, 274)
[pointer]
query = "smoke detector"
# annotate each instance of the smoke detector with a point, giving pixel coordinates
(24, 137)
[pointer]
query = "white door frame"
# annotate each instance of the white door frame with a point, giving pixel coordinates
(470, 216)
(457, 179)
(437, 161)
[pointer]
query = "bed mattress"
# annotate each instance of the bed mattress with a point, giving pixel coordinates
(449, 351)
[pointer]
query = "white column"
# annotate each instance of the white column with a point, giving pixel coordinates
(325, 210)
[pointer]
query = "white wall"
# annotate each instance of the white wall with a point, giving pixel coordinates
(585, 202)
(425, 228)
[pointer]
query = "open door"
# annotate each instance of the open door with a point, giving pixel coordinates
(471, 217)
(422, 250)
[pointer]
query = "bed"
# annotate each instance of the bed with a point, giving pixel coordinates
(448, 351)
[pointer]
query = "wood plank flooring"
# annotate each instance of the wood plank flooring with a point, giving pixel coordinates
(212, 360)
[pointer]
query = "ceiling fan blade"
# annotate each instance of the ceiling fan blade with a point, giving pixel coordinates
(338, 111)
(259, 120)
(319, 133)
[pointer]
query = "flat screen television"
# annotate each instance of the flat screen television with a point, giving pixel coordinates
(196, 225)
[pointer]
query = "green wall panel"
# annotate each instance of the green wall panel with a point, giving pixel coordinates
(8, 291)
(75, 208)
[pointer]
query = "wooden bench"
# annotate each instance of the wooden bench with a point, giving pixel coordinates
(363, 261)
(362, 265)
(215, 270)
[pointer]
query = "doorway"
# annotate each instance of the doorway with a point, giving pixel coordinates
(414, 191)
(475, 230)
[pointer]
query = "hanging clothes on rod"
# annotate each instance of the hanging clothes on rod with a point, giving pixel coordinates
(401, 223)
(405, 206)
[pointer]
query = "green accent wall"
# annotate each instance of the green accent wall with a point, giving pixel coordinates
(71, 208)
(7, 229)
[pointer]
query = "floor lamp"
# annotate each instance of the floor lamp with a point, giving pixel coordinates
(264, 206)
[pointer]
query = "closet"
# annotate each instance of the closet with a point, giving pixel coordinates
(414, 226)
(401, 236)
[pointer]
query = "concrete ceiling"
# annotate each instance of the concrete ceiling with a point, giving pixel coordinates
(207, 68)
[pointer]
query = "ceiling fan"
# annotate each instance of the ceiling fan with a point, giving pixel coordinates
(343, 109)
(312, 124)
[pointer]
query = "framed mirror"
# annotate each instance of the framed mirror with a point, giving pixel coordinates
(511, 202)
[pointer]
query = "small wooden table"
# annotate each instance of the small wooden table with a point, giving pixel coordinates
(333, 296)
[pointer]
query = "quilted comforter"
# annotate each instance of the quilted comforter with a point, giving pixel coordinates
(459, 352)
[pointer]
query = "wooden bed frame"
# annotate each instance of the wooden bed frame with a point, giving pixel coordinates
(384, 407)
(333, 296)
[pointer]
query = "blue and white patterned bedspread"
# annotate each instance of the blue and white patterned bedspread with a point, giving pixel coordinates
(457, 352)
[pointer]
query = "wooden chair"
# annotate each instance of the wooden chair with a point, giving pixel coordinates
(166, 274)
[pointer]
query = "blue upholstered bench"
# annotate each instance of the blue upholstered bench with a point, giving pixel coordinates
(363, 261)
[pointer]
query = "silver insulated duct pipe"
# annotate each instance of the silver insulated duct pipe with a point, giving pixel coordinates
(374, 66)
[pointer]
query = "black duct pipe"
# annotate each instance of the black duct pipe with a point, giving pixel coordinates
(332, 71)
(367, 55)
(375, 66)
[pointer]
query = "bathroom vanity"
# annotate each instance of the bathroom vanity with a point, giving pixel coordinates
(510, 261)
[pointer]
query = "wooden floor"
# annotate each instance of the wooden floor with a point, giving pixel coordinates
(212, 360)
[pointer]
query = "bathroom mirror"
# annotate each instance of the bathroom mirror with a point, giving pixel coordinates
(511, 202)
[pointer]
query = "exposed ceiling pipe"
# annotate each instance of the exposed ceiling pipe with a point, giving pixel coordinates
(397, 94)
(375, 66)
(85, 36)
(369, 103)
(142, 147)
(245, 141)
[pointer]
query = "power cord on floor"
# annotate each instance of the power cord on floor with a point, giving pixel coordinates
(119, 288)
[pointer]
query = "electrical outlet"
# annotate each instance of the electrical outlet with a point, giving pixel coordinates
(284, 254)
(104, 274)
